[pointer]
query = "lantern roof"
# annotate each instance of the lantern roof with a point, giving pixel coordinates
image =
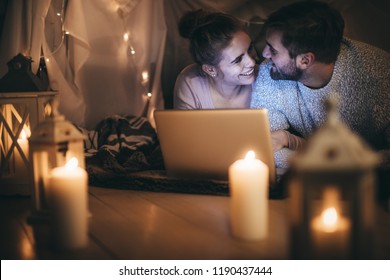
(19, 77)
(55, 129)
(334, 147)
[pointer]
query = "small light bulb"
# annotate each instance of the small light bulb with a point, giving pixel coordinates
(145, 76)
(131, 50)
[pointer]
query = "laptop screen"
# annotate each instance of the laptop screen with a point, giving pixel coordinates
(202, 144)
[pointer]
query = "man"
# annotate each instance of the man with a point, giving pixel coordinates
(307, 60)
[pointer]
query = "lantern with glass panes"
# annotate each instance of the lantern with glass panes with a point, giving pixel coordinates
(23, 96)
(52, 143)
(331, 194)
(20, 112)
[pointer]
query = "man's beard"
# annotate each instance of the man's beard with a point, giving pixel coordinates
(288, 72)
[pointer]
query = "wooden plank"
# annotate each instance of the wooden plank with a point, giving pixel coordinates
(16, 241)
(147, 225)
(212, 213)
(128, 224)
(21, 241)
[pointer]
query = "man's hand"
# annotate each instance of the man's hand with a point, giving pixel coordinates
(279, 139)
(284, 139)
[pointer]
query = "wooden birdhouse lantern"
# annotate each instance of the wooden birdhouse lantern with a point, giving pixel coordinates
(52, 144)
(22, 107)
(332, 195)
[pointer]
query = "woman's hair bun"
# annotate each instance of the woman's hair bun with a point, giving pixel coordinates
(191, 21)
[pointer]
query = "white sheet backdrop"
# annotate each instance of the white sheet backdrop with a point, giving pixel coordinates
(91, 66)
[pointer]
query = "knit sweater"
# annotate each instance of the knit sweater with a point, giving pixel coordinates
(192, 91)
(360, 80)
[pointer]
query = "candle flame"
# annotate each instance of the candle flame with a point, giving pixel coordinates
(250, 155)
(23, 135)
(72, 164)
(329, 218)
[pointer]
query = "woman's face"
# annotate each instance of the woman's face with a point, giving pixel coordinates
(238, 61)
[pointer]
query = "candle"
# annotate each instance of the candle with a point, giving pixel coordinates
(248, 185)
(67, 199)
(330, 230)
(21, 168)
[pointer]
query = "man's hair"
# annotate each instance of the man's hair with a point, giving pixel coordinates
(309, 26)
(209, 33)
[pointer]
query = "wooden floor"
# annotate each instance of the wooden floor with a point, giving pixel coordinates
(127, 224)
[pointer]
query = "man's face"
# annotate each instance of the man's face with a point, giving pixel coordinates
(283, 66)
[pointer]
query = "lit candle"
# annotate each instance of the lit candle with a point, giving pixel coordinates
(248, 186)
(330, 231)
(20, 166)
(67, 199)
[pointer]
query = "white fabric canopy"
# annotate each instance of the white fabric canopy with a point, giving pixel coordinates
(92, 67)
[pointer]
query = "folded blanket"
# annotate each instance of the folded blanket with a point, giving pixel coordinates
(123, 144)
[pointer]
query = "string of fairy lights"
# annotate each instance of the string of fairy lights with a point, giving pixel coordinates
(122, 8)
(60, 14)
(126, 35)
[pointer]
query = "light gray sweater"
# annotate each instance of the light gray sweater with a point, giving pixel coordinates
(361, 80)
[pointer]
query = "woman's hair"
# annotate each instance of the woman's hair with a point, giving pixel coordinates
(209, 33)
(309, 26)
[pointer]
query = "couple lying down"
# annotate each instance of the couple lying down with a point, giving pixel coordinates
(307, 60)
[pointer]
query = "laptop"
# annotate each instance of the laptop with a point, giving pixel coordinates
(202, 144)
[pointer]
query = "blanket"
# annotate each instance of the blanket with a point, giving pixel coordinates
(123, 144)
(124, 152)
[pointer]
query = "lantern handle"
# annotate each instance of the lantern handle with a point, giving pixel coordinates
(51, 108)
(331, 106)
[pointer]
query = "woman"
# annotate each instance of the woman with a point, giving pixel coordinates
(225, 65)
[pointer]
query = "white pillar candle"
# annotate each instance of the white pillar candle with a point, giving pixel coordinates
(248, 186)
(67, 199)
